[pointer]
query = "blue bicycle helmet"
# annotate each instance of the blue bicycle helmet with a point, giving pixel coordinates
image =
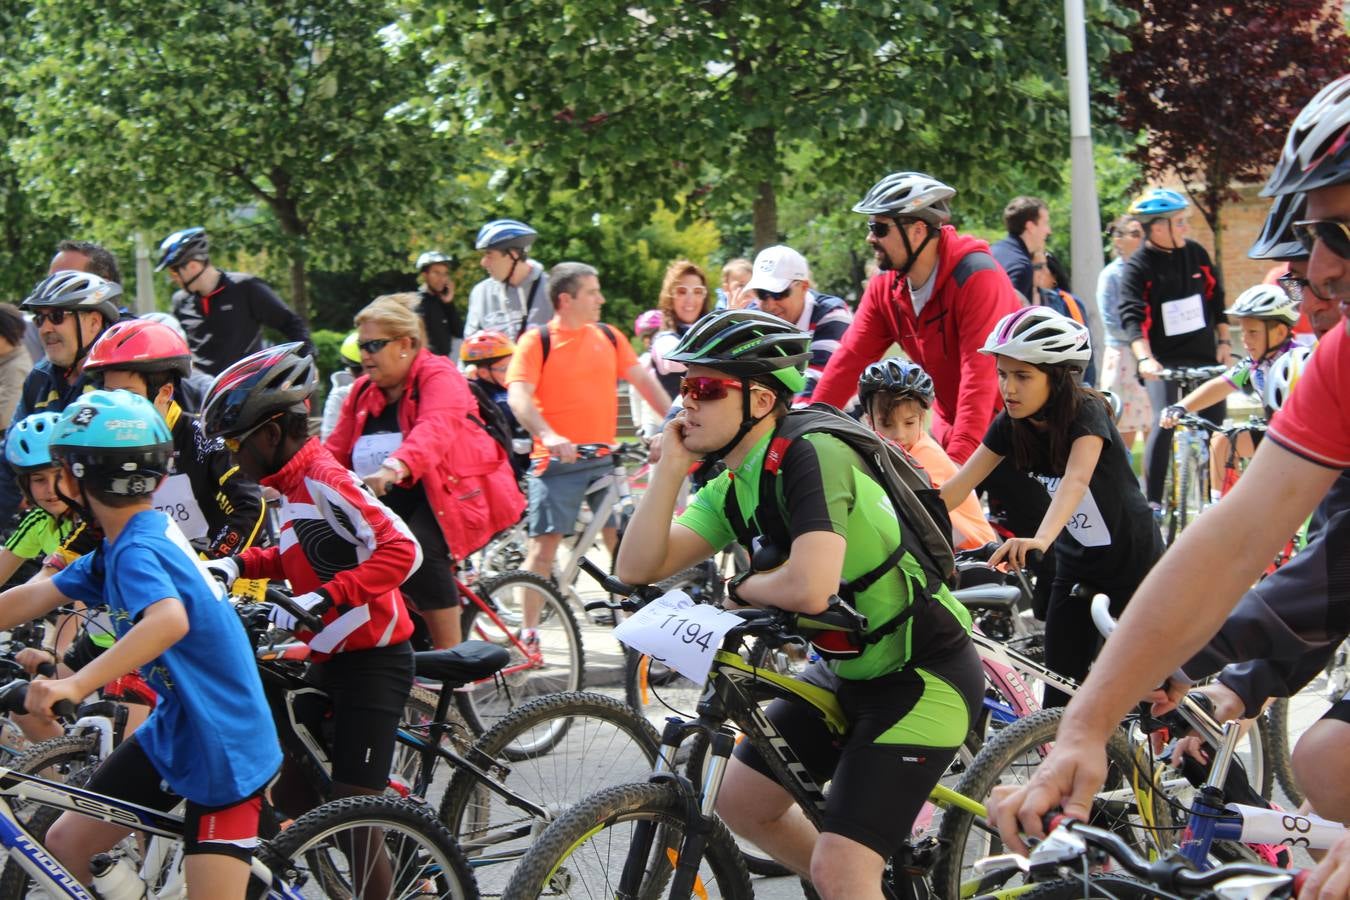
(1158, 202)
(505, 234)
(115, 442)
(181, 246)
(28, 448)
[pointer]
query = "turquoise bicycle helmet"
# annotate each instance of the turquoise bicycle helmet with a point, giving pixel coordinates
(1158, 202)
(115, 442)
(28, 448)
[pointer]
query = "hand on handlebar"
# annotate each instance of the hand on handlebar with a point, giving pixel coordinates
(559, 446)
(313, 603)
(44, 694)
(1067, 778)
(1149, 369)
(1172, 415)
(1016, 552)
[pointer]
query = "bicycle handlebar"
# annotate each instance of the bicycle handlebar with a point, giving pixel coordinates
(1191, 373)
(1068, 841)
(303, 616)
(14, 699)
(1196, 423)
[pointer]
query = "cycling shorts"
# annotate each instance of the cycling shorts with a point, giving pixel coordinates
(904, 730)
(1340, 710)
(368, 690)
(230, 830)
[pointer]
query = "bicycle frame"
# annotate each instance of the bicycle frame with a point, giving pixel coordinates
(47, 872)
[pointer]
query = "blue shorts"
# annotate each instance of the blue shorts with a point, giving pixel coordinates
(555, 496)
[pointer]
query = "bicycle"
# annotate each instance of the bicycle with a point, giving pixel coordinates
(314, 854)
(675, 840)
(1184, 494)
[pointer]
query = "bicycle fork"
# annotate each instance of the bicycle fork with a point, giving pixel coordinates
(697, 816)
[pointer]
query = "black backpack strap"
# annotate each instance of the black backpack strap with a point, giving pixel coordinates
(529, 307)
(608, 332)
(545, 343)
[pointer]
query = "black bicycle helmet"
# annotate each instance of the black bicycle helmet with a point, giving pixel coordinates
(896, 376)
(272, 381)
(82, 291)
(1317, 151)
(1277, 239)
(749, 343)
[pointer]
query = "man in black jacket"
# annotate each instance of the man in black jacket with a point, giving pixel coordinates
(223, 313)
(443, 320)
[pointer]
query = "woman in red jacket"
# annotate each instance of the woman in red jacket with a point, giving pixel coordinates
(409, 429)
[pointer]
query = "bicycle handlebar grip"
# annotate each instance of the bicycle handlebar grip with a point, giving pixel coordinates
(605, 580)
(1101, 615)
(65, 709)
(303, 616)
(47, 670)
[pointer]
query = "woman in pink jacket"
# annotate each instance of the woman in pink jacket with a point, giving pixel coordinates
(409, 429)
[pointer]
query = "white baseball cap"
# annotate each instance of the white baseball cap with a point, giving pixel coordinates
(776, 268)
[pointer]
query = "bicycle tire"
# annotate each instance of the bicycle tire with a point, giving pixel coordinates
(491, 831)
(419, 710)
(998, 756)
(70, 759)
(563, 664)
(1277, 720)
(299, 851)
(1192, 487)
(601, 816)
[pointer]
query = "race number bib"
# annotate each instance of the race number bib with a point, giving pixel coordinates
(1183, 316)
(373, 449)
(175, 499)
(678, 632)
(1086, 525)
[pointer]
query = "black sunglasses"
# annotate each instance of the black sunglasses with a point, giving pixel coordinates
(879, 229)
(775, 296)
(374, 346)
(1336, 235)
(55, 316)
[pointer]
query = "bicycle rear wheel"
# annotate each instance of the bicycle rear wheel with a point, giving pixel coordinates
(559, 664)
(583, 853)
(603, 742)
(368, 847)
(1192, 491)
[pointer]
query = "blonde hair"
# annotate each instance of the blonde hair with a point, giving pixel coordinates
(674, 272)
(397, 315)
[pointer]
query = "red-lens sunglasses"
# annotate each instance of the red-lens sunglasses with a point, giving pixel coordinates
(703, 388)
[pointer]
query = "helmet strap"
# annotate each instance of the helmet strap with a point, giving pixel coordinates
(911, 252)
(81, 506)
(187, 285)
(748, 422)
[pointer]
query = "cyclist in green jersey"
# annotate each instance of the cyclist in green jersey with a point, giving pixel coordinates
(908, 695)
(50, 521)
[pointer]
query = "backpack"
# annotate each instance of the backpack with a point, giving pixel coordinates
(546, 340)
(925, 526)
(491, 418)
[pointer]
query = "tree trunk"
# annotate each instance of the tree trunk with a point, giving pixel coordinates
(766, 216)
(299, 295)
(288, 217)
(1216, 226)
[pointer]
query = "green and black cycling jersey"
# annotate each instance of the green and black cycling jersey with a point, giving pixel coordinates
(831, 489)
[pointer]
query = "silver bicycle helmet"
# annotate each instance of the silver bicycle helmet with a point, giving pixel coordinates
(1284, 374)
(1264, 301)
(1042, 337)
(912, 195)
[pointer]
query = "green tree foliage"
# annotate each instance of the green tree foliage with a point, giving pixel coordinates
(671, 101)
(293, 126)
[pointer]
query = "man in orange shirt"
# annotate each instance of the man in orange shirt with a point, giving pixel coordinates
(561, 386)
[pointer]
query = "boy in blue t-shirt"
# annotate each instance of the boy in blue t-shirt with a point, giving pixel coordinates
(210, 739)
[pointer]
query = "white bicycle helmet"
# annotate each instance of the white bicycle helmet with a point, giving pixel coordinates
(1042, 337)
(1264, 301)
(430, 258)
(908, 195)
(1284, 374)
(1317, 152)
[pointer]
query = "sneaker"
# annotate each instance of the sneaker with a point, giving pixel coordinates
(529, 637)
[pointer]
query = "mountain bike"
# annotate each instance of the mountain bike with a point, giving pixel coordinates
(1185, 487)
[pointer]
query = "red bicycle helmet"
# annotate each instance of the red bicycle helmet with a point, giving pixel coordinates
(486, 346)
(140, 345)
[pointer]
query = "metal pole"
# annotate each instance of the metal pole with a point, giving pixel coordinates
(145, 275)
(1085, 226)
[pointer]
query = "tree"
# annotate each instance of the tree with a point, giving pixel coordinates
(294, 126)
(1213, 87)
(676, 102)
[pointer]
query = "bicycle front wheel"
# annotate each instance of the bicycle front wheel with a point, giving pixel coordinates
(1011, 757)
(361, 847)
(603, 742)
(557, 664)
(584, 853)
(1193, 490)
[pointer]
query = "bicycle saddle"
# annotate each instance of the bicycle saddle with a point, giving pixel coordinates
(990, 596)
(460, 665)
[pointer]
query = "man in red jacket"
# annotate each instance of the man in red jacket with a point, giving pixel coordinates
(938, 295)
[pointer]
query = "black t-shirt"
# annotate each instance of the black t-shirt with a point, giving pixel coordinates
(403, 501)
(1112, 533)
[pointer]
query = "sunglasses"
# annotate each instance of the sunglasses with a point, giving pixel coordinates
(774, 296)
(682, 290)
(1293, 286)
(56, 317)
(879, 229)
(1336, 235)
(703, 388)
(374, 346)
(233, 444)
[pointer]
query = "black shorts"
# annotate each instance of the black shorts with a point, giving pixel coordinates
(230, 830)
(432, 586)
(904, 730)
(368, 690)
(1340, 710)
